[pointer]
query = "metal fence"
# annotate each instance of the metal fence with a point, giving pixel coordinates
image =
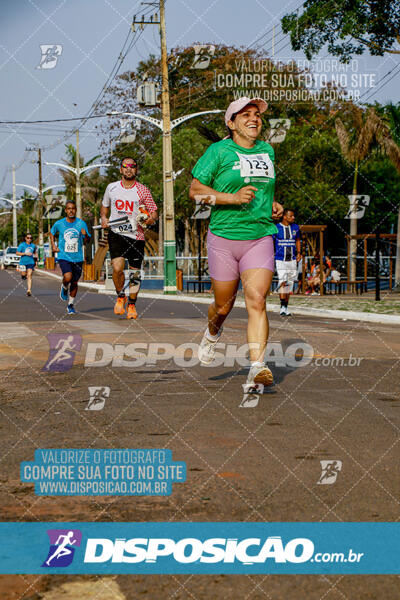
(153, 266)
(153, 269)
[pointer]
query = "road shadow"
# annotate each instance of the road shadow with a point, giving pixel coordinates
(276, 362)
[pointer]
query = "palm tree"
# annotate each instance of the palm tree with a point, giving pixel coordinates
(391, 115)
(92, 194)
(366, 131)
(91, 184)
(69, 177)
(28, 209)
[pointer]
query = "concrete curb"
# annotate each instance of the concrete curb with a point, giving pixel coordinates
(85, 284)
(344, 315)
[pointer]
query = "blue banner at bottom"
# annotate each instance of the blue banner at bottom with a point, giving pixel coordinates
(200, 548)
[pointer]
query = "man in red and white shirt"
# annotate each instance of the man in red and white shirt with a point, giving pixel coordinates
(127, 198)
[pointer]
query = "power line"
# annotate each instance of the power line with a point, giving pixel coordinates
(271, 30)
(115, 70)
(49, 134)
(375, 90)
(113, 73)
(53, 120)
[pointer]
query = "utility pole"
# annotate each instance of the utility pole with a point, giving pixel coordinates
(377, 266)
(39, 192)
(168, 224)
(14, 209)
(353, 227)
(78, 198)
(397, 265)
(168, 181)
(40, 198)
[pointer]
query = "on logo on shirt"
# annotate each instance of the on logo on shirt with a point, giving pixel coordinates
(125, 205)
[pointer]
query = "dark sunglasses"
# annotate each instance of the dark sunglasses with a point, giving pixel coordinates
(129, 165)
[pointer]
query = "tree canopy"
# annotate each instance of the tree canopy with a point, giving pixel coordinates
(348, 27)
(313, 175)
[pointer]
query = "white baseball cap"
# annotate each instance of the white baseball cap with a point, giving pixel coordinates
(237, 106)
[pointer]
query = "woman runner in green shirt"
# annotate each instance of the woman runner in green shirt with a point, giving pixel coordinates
(237, 177)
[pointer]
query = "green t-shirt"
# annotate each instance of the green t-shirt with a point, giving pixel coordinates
(227, 167)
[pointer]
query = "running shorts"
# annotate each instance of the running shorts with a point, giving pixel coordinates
(287, 275)
(24, 268)
(125, 247)
(70, 267)
(227, 259)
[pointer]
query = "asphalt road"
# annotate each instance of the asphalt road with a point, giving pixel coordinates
(243, 464)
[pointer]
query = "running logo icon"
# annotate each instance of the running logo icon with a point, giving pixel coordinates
(62, 547)
(98, 397)
(202, 56)
(50, 55)
(330, 470)
(62, 351)
(203, 206)
(251, 395)
(358, 204)
(278, 130)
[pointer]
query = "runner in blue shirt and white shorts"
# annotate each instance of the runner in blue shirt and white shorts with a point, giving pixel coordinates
(287, 255)
(28, 252)
(72, 235)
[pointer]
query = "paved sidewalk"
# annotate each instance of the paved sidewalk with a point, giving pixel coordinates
(273, 304)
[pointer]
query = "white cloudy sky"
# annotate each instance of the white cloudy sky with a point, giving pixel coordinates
(92, 33)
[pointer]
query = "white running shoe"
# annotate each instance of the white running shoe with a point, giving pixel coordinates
(206, 351)
(260, 374)
(282, 312)
(288, 313)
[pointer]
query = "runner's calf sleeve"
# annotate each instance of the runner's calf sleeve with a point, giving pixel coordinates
(134, 282)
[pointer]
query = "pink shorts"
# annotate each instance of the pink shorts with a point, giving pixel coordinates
(227, 259)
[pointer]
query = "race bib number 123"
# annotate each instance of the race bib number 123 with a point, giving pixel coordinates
(256, 165)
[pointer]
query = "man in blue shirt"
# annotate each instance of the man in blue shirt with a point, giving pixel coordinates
(287, 255)
(28, 252)
(72, 235)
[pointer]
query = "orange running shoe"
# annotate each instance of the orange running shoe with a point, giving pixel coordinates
(131, 312)
(119, 307)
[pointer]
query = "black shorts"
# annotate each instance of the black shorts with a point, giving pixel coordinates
(125, 247)
(70, 267)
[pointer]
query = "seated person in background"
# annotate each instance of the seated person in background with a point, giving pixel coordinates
(315, 280)
(325, 261)
(300, 276)
(335, 274)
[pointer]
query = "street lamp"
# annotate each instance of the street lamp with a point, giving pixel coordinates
(77, 172)
(39, 193)
(166, 127)
(14, 214)
(35, 189)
